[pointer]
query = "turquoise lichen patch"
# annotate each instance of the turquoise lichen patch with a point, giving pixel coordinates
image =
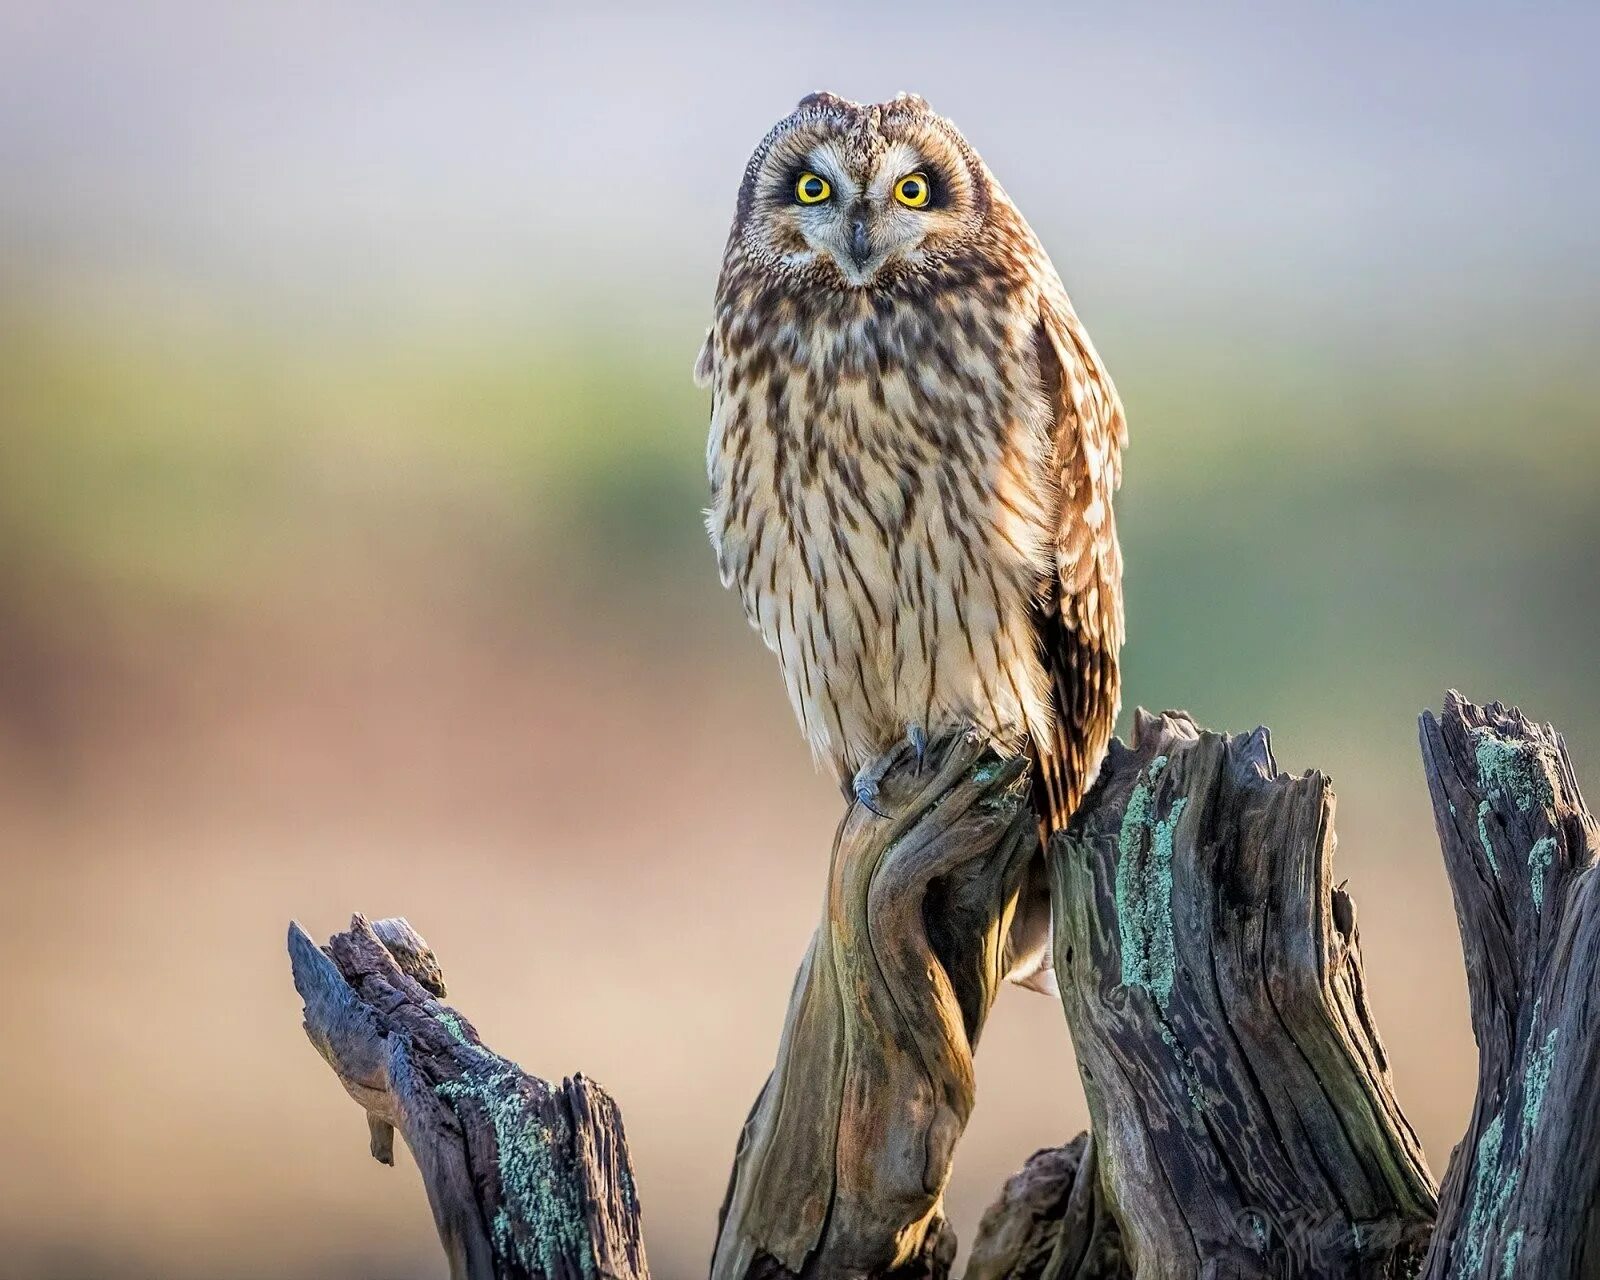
(630, 1195)
(1508, 1264)
(1539, 859)
(1491, 1194)
(1144, 889)
(1516, 770)
(542, 1218)
(451, 1021)
(1484, 810)
(1537, 1078)
(1492, 1187)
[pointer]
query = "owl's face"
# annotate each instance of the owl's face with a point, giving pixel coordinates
(855, 196)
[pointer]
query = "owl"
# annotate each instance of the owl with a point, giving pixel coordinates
(912, 457)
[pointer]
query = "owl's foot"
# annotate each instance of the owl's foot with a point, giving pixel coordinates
(869, 778)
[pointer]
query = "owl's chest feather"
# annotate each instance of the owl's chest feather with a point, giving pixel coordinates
(881, 501)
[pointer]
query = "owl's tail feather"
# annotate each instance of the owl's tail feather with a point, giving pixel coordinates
(1085, 687)
(1029, 945)
(1028, 956)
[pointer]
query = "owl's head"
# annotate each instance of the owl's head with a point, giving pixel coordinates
(856, 195)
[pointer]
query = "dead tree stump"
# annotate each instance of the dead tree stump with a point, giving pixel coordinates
(1521, 1200)
(527, 1181)
(1211, 974)
(842, 1165)
(1245, 1123)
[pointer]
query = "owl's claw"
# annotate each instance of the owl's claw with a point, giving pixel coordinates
(869, 778)
(867, 781)
(918, 739)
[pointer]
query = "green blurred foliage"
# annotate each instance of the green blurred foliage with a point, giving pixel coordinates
(1304, 528)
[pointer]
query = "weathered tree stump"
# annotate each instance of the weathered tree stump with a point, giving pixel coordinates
(1521, 1200)
(528, 1181)
(1210, 972)
(1245, 1123)
(842, 1165)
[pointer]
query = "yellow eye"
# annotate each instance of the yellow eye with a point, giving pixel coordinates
(913, 190)
(812, 189)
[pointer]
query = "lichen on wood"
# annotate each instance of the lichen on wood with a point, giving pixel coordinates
(527, 1180)
(1521, 1200)
(1210, 972)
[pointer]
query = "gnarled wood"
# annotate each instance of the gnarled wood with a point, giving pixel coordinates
(842, 1164)
(1051, 1222)
(1240, 1097)
(527, 1181)
(1521, 1200)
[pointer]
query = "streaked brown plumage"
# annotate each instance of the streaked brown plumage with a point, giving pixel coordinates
(913, 451)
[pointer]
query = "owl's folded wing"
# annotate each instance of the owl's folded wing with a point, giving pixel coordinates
(1079, 617)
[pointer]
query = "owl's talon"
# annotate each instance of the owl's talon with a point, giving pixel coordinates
(866, 783)
(918, 739)
(867, 794)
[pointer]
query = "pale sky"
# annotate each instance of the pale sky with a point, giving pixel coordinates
(1254, 151)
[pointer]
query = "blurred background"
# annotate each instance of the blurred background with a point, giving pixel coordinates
(351, 556)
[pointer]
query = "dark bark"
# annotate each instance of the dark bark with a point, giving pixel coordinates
(1051, 1222)
(527, 1180)
(1211, 974)
(1521, 1200)
(842, 1165)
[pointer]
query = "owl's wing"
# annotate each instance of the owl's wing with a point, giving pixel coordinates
(1079, 616)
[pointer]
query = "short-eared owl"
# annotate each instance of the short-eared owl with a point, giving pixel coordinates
(913, 451)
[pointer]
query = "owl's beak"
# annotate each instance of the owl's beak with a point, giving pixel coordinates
(860, 250)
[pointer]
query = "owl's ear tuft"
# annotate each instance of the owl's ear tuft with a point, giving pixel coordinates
(822, 99)
(911, 101)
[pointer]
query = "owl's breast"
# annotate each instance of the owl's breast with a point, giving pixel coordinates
(882, 501)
